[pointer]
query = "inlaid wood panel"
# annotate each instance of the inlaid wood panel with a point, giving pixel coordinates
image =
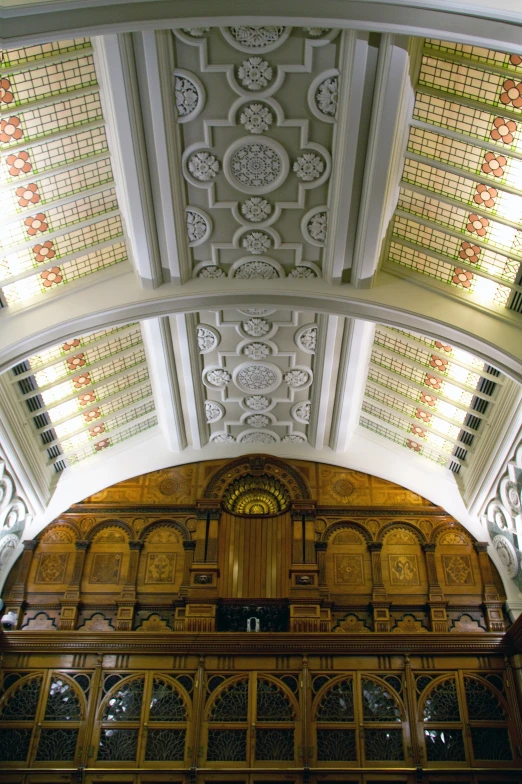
(255, 556)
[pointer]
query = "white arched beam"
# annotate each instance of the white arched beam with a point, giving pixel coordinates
(478, 22)
(393, 301)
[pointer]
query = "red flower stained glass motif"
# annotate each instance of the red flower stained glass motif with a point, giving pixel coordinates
(485, 196)
(44, 252)
(36, 224)
(462, 277)
(413, 445)
(10, 130)
(503, 130)
(427, 399)
(76, 362)
(423, 415)
(94, 413)
(82, 381)
(470, 253)
(512, 93)
(439, 363)
(86, 398)
(97, 430)
(418, 431)
(18, 163)
(477, 224)
(51, 277)
(28, 195)
(494, 164)
(103, 444)
(444, 346)
(515, 59)
(74, 343)
(6, 96)
(432, 381)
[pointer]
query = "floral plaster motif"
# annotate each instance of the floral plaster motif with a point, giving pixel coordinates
(317, 226)
(207, 339)
(257, 351)
(196, 32)
(308, 167)
(197, 226)
(211, 271)
(302, 272)
(296, 378)
(258, 402)
(254, 73)
(213, 411)
(256, 118)
(316, 32)
(257, 420)
(293, 438)
(218, 377)
(253, 37)
(256, 270)
(327, 96)
(223, 438)
(256, 165)
(257, 242)
(203, 166)
(256, 378)
(256, 209)
(258, 438)
(306, 338)
(187, 96)
(256, 327)
(301, 412)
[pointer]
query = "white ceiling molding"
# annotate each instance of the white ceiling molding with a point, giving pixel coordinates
(449, 18)
(157, 339)
(354, 355)
(391, 112)
(399, 303)
(190, 361)
(116, 70)
(326, 368)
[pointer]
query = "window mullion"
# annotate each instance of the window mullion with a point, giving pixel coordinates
(466, 726)
(252, 719)
(144, 718)
(39, 715)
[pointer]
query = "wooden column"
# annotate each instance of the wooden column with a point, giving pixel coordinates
(188, 547)
(199, 614)
(491, 600)
(127, 602)
(380, 603)
(436, 602)
(306, 614)
(16, 599)
(71, 599)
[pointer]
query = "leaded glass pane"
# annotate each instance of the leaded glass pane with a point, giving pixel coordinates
(226, 746)
(22, 704)
(442, 703)
(118, 745)
(491, 743)
(57, 745)
(165, 703)
(378, 704)
(62, 703)
(165, 745)
(422, 682)
(232, 703)
(274, 744)
(444, 746)
(125, 703)
(383, 745)
(337, 704)
(319, 682)
(272, 703)
(187, 682)
(336, 746)
(14, 745)
(483, 705)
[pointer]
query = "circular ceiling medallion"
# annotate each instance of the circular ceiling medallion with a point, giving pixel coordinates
(256, 164)
(257, 377)
(507, 554)
(168, 486)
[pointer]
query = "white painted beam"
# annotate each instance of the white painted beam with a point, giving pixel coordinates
(351, 381)
(157, 339)
(190, 361)
(392, 108)
(324, 367)
(115, 68)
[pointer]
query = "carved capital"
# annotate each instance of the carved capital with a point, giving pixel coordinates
(82, 544)
(189, 544)
(213, 512)
(374, 547)
(30, 544)
(320, 546)
(429, 547)
(135, 545)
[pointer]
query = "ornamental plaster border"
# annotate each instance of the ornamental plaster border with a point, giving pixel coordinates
(200, 89)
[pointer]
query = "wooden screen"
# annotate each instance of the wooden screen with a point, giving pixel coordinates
(255, 555)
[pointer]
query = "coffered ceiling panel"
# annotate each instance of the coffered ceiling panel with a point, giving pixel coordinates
(257, 109)
(257, 374)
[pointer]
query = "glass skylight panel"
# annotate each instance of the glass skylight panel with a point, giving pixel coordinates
(56, 182)
(112, 440)
(462, 178)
